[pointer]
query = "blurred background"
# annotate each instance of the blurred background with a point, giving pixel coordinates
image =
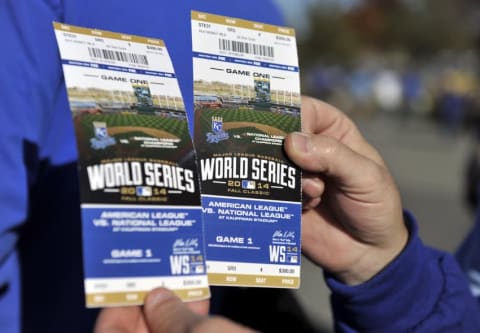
(407, 72)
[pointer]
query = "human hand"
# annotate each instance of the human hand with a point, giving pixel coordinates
(352, 223)
(164, 312)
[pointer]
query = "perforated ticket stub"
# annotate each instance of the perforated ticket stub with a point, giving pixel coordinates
(141, 213)
(247, 99)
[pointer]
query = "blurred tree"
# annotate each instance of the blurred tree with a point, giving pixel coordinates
(419, 29)
(329, 37)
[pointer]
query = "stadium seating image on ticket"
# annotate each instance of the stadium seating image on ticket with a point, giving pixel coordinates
(140, 198)
(247, 98)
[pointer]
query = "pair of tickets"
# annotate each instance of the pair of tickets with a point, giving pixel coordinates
(145, 222)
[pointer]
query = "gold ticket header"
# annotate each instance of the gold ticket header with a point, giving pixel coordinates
(235, 22)
(107, 34)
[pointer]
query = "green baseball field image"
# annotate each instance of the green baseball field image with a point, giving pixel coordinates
(130, 133)
(240, 123)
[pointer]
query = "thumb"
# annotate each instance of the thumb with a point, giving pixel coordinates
(166, 313)
(317, 153)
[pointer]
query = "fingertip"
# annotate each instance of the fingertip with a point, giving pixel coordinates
(157, 297)
(312, 186)
(166, 312)
(300, 142)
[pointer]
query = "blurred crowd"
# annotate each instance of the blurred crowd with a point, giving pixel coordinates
(446, 89)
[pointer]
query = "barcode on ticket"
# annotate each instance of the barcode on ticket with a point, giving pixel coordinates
(127, 57)
(244, 47)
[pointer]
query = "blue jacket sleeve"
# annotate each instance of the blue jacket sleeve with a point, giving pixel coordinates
(422, 290)
(468, 256)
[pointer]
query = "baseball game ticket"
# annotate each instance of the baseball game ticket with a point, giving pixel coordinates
(247, 99)
(140, 199)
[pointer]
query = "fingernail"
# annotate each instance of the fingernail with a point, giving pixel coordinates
(301, 142)
(158, 296)
(309, 182)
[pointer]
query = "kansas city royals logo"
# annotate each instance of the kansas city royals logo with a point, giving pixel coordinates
(217, 124)
(101, 140)
(100, 130)
(217, 134)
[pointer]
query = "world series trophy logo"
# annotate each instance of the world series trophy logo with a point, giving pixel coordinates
(217, 134)
(101, 140)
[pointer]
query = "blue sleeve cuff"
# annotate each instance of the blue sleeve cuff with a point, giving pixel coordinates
(397, 298)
